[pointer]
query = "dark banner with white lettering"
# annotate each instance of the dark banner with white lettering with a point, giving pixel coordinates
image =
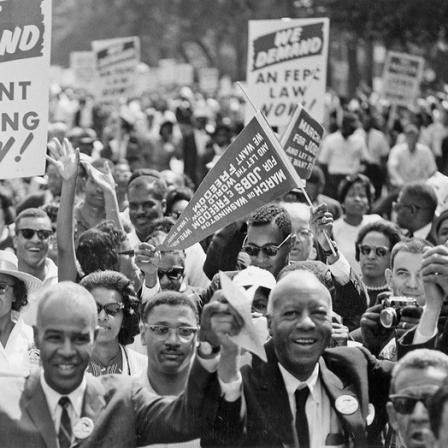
(253, 171)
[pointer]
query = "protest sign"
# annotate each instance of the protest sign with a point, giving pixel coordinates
(25, 39)
(116, 65)
(83, 65)
(253, 170)
(301, 141)
(287, 65)
(401, 78)
(208, 80)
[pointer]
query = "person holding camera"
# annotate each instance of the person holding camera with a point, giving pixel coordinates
(386, 321)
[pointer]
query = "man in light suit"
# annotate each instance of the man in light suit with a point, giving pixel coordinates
(305, 394)
(61, 406)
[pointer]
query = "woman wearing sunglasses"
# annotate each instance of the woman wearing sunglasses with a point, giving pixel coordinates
(373, 247)
(118, 322)
(355, 193)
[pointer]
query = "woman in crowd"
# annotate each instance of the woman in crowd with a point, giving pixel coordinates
(177, 200)
(17, 352)
(7, 216)
(373, 247)
(118, 321)
(440, 228)
(355, 193)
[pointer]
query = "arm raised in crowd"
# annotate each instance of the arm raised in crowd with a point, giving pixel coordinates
(66, 160)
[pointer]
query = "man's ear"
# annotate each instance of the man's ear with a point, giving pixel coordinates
(392, 416)
(142, 332)
(269, 321)
(36, 336)
(163, 203)
(388, 275)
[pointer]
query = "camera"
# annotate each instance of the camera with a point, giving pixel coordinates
(392, 307)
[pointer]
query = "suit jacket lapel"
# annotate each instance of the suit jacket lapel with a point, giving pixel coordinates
(37, 407)
(273, 397)
(93, 402)
(353, 423)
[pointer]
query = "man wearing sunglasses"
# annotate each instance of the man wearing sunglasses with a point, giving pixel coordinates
(415, 379)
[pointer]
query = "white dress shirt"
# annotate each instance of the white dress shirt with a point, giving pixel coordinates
(76, 399)
(322, 418)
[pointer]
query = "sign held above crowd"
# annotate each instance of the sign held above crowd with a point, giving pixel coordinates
(253, 170)
(401, 78)
(287, 65)
(25, 40)
(116, 65)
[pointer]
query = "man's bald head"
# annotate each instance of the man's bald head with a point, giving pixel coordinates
(70, 296)
(300, 281)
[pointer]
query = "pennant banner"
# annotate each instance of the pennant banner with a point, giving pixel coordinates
(253, 171)
(301, 141)
(25, 41)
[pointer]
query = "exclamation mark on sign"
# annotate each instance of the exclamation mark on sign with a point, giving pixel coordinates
(25, 145)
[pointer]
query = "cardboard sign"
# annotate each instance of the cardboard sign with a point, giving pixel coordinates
(253, 171)
(301, 141)
(401, 78)
(25, 39)
(287, 65)
(83, 66)
(116, 64)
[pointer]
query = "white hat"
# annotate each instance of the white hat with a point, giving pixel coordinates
(252, 278)
(9, 266)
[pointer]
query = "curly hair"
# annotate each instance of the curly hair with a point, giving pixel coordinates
(20, 295)
(116, 281)
(272, 213)
(176, 195)
(387, 228)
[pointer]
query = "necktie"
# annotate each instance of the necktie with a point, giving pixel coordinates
(65, 428)
(301, 420)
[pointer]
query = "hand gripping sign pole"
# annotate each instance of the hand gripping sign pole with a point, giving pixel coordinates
(301, 142)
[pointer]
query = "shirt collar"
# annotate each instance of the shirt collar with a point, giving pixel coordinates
(76, 396)
(423, 232)
(292, 383)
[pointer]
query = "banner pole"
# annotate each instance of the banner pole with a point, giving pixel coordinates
(247, 96)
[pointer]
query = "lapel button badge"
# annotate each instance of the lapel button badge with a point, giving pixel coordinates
(83, 428)
(346, 404)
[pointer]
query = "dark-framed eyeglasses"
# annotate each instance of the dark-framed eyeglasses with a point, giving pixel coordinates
(173, 273)
(42, 234)
(380, 251)
(413, 208)
(162, 332)
(270, 250)
(405, 404)
(111, 309)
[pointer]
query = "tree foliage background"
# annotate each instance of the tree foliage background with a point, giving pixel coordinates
(214, 32)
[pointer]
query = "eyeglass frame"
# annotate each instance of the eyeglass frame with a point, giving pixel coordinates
(373, 248)
(413, 208)
(423, 398)
(100, 308)
(180, 274)
(263, 248)
(161, 337)
(37, 232)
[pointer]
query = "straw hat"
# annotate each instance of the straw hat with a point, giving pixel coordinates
(9, 266)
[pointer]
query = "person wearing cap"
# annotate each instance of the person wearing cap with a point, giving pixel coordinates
(17, 352)
(410, 161)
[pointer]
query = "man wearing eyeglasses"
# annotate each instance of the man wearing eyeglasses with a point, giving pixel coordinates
(170, 322)
(415, 379)
(415, 209)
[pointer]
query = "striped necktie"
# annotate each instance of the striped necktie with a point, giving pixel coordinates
(65, 427)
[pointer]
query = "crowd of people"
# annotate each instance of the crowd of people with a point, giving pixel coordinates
(106, 340)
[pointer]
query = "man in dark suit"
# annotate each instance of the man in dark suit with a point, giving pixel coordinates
(307, 395)
(61, 406)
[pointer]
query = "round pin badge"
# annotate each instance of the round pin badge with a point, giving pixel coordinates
(346, 404)
(83, 428)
